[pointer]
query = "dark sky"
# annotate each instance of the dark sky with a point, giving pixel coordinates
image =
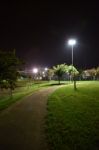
(39, 32)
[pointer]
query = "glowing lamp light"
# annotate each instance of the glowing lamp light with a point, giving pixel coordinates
(71, 42)
(35, 70)
(46, 69)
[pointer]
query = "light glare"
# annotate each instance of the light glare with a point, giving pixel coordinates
(72, 42)
(35, 70)
(46, 69)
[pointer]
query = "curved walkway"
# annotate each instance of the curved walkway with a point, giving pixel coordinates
(22, 124)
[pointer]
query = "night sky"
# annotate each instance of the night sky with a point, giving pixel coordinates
(39, 32)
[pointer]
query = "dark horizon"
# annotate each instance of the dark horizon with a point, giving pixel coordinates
(39, 32)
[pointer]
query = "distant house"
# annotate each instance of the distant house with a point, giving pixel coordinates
(86, 75)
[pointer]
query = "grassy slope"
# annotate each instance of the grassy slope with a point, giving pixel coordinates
(73, 118)
(7, 100)
(24, 88)
(18, 93)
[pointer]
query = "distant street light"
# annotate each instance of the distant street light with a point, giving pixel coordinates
(35, 70)
(72, 42)
(46, 69)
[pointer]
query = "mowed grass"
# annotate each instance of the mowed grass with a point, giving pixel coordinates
(18, 94)
(23, 89)
(73, 117)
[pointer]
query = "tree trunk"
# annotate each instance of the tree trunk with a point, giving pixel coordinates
(75, 87)
(94, 78)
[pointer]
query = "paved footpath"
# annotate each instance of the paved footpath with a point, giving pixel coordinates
(22, 124)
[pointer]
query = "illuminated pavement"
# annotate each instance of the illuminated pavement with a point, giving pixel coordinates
(22, 124)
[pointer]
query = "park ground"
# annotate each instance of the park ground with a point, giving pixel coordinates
(51, 118)
(22, 124)
(73, 117)
(23, 89)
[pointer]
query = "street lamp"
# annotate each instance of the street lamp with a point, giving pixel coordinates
(35, 70)
(46, 69)
(72, 42)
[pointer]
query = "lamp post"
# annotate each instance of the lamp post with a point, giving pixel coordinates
(72, 42)
(35, 71)
(46, 69)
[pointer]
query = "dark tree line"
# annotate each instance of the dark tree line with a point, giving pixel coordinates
(9, 65)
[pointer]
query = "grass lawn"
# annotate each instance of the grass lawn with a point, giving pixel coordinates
(23, 88)
(73, 117)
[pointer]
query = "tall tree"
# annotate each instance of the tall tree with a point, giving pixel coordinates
(73, 72)
(9, 64)
(59, 70)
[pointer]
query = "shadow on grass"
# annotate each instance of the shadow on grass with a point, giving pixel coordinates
(54, 84)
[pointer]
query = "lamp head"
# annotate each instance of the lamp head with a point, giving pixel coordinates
(35, 70)
(72, 42)
(46, 69)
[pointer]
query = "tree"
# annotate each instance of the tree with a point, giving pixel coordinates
(73, 72)
(9, 64)
(50, 73)
(92, 73)
(59, 70)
